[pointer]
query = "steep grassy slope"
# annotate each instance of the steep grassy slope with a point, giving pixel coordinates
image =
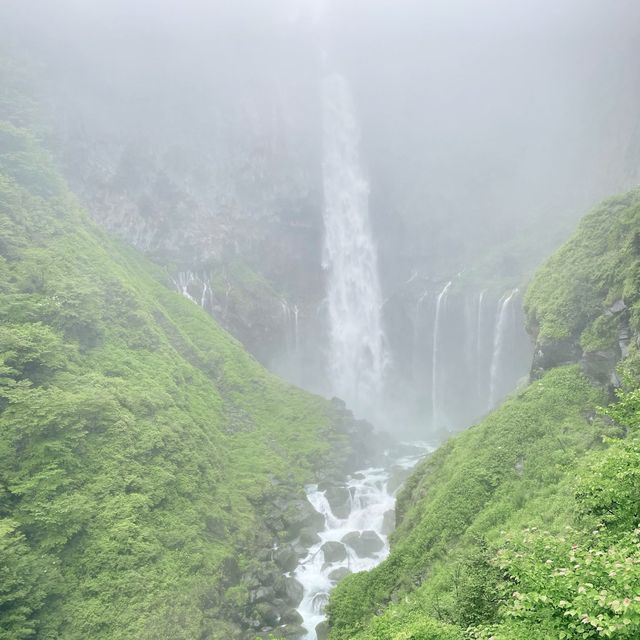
(140, 446)
(525, 527)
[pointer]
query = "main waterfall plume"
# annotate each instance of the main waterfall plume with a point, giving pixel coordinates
(357, 352)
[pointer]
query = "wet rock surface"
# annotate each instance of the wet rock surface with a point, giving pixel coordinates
(274, 593)
(366, 544)
(338, 574)
(333, 552)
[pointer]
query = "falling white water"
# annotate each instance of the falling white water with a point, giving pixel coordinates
(435, 414)
(479, 351)
(286, 316)
(499, 332)
(182, 281)
(188, 283)
(479, 328)
(370, 499)
(416, 332)
(296, 330)
(357, 352)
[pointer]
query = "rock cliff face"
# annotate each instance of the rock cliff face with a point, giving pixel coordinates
(221, 185)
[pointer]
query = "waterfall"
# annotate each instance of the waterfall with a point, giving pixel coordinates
(296, 332)
(415, 351)
(290, 318)
(357, 352)
(286, 318)
(504, 307)
(479, 328)
(434, 363)
(189, 282)
(479, 344)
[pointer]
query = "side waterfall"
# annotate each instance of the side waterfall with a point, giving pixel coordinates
(504, 308)
(357, 351)
(354, 537)
(435, 415)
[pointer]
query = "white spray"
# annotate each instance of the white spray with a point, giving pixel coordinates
(357, 352)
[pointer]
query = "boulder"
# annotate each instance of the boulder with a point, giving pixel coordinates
(337, 574)
(293, 591)
(333, 551)
(262, 594)
(617, 307)
(298, 515)
(339, 500)
(268, 614)
(291, 616)
(286, 558)
(553, 353)
(293, 631)
(388, 522)
(322, 630)
(365, 544)
(309, 537)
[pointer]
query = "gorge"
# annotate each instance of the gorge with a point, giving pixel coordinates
(307, 329)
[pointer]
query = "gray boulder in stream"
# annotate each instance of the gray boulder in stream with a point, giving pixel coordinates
(286, 558)
(365, 544)
(337, 574)
(334, 551)
(291, 616)
(293, 591)
(292, 631)
(309, 537)
(322, 630)
(298, 515)
(339, 500)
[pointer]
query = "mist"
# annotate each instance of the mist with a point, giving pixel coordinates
(280, 279)
(194, 131)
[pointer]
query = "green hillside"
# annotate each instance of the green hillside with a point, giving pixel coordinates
(141, 449)
(525, 527)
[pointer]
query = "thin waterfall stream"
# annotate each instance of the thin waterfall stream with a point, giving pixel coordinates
(504, 308)
(357, 348)
(434, 373)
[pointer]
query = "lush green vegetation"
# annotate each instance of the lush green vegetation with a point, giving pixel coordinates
(139, 444)
(527, 525)
(572, 293)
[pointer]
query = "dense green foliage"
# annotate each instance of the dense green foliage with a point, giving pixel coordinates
(138, 441)
(527, 525)
(502, 540)
(455, 505)
(599, 265)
